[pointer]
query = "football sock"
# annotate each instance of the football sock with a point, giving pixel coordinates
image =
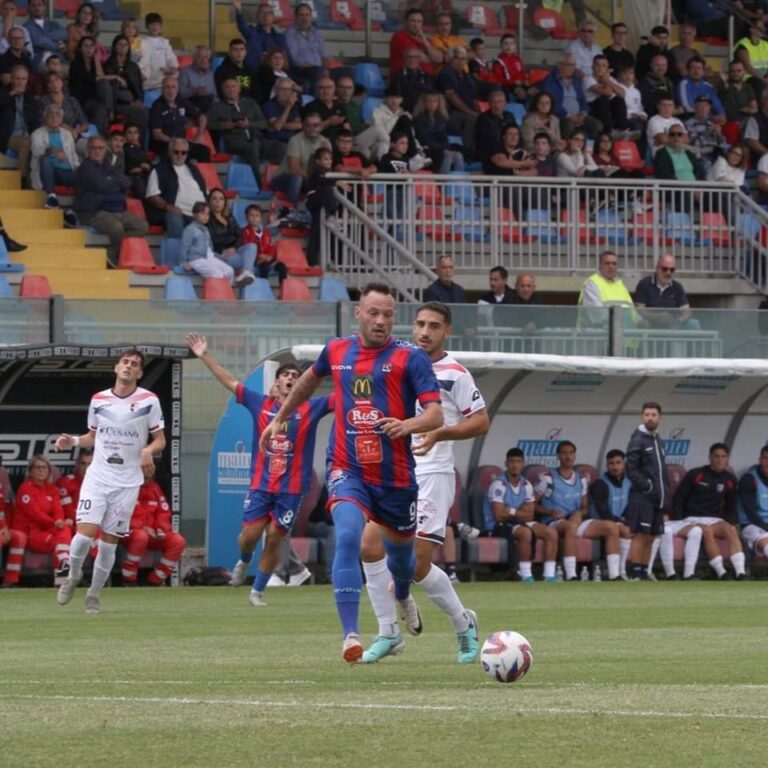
(78, 551)
(569, 566)
(637, 570)
(440, 591)
(246, 557)
(737, 561)
(613, 566)
(549, 569)
(667, 552)
(347, 579)
(401, 561)
(524, 568)
(102, 567)
(654, 551)
(260, 581)
(624, 547)
(377, 578)
(717, 565)
(691, 551)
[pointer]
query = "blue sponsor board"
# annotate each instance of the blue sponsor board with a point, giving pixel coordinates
(676, 450)
(539, 451)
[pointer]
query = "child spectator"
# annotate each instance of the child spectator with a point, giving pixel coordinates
(347, 160)
(254, 232)
(115, 153)
(479, 66)
(130, 30)
(636, 114)
(137, 165)
(509, 70)
(157, 56)
(321, 197)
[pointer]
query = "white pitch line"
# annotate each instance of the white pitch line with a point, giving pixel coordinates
(292, 704)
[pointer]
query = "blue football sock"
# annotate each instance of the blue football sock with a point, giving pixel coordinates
(401, 562)
(246, 557)
(260, 582)
(347, 578)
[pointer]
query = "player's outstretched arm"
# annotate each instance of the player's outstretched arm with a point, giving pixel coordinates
(302, 390)
(199, 346)
(474, 425)
(65, 442)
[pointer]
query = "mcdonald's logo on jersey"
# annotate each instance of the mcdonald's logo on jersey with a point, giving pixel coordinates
(362, 386)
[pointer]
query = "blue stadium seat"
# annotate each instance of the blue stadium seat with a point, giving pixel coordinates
(6, 292)
(238, 211)
(6, 265)
(91, 130)
(476, 229)
(539, 224)
(241, 178)
(179, 288)
(679, 226)
(517, 111)
(170, 251)
(369, 104)
(217, 61)
(612, 228)
(463, 193)
(306, 98)
(333, 289)
(258, 290)
(369, 76)
(749, 226)
(150, 96)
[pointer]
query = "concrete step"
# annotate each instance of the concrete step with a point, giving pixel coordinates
(45, 238)
(107, 284)
(40, 258)
(22, 218)
(11, 199)
(10, 179)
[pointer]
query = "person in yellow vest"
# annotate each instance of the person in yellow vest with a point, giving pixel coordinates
(605, 289)
(752, 52)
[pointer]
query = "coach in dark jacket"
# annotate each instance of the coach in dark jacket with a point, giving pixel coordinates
(647, 471)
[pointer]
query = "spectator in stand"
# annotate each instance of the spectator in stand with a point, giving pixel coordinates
(411, 80)
(75, 120)
(575, 161)
(460, 92)
(706, 135)
(151, 530)
(261, 37)
(54, 65)
(660, 291)
(8, 21)
(347, 160)
(283, 116)
(174, 186)
(737, 96)
(239, 121)
(18, 117)
(605, 97)
(39, 515)
(90, 87)
(541, 119)
(227, 238)
(509, 71)
(604, 288)
(172, 118)
(655, 85)
(235, 68)
(480, 67)
(637, 117)
(710, 17)
(389, 116)
(544, 155)
(618, 55)
(259, 236)
(524, 293)
(443, 40)
(731, 167)
(291, 177)
(444, 289)
(16, 55)
(54, 158)
(345, 91)
(685, 51)
(321, 197)
(755, 133)
(500, 292)
(570, 103)
(196, 82)
(306, 48)
(47, 36)
(69, 487)
(412, 36)
(753, 515)
(675, 161)
(158, 60)
(16, 541)
(100, 198)
(115, 153)
(693, 86)
(752, 52)
(660, 124)
(137, 165)
(273, 68)
(490, 126)
(396, 162)
(658, 44)
(605, 160)
(433, 127)
(511, 158)
(130, 29)
(584, 49)
(332, 114)
(86, 24)
(127, 92)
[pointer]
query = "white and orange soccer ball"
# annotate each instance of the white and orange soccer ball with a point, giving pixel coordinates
(506, 656)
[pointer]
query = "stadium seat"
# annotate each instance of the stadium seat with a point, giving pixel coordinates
(714, 227)
(6, 292)
(539, 225)
(269, 173)
(136, 207)
(749, 226)
(218, 289)
(517, 111)
(283, 12)
(675, 474)
(483, 17)
(537, 75)
(382, 14)
(611, 228)
(679, 227)
(368, 75)
(473, 228)
(628, 155)
(291, 253)
(462, 193)
(586, 234)
(333, 289)
(511, 231)
(588, 472)
(6, 265)
(179, 288)
(435, 228)
(91, 131)
(369, 104)
(241, 179)
(553, 24)
(258, 290)
(346, 12)
(238, 211)
(510, 15)
(295, 289)
(110, 10)
(207, 141)
(136, 256)
(732, 132)
(185, 60)
(170, 251)
(427, 190)
(35, 287)
(151, 96)
(211, 178)
(644, 227)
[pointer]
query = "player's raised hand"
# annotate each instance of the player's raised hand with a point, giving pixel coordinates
(197, 343)
(392, 428)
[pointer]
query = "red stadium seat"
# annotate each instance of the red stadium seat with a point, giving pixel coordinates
(292, 255)
(136, 256)
(586, 236)
(511, 231)
(295, 289)
(212, 181)
(588, 471)
(35, 287)
(732, 132)
(714, 227)
(185, 60)
(207, 141)
(628, 155)
(482, 16)
(436, 231)
(427, 190)
(537, 75)
(136, 207)
(347, 12)
(218, 289)
(552, 23)
(269, 173)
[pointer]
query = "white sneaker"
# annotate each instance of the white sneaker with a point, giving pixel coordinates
(92, 605)
(409, 613)
(467, 532)
(239, 572)
(276, 581)
(256, 599)
(66, 591)
(246, 277)
(299, 578)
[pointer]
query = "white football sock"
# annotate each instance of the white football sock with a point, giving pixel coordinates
(624, 546)
(549, 569)
(78, 551)
(440, 591)
(377, 578)
(569, 566)
(692, 547)
(737, 561)
(102, 567)
(654, 551)
(667, 552)
(717, 565)
(613, 566)
(524, 569)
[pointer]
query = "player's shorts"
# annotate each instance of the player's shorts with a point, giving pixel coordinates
(394, 508)
(281, 508)
(752, 536)
(643, 518)
(702, 520)
(584, 526)
(109, 507)
(436, 495)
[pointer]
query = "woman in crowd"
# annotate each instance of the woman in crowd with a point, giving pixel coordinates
(513, 160)
(89, 85)
(127, 91)
(227, 237)
(575, 161)
(432, 127)
(540, 119)
(86, 24)
(75, 120)
(272, 68)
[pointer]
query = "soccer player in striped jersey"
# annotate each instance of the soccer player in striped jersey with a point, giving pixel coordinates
(465, 417)
(378, 382)
(281, 472)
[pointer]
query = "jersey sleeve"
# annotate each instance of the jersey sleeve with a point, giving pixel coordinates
(156, 420)
(92, 420)
(543, 488)
(423, 378)
(322, 366)
(248, 397)
(467, 396)
(529, 495)
(496, 492)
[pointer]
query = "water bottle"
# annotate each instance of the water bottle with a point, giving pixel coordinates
(598, 574)
(559, 573)
(584, 576)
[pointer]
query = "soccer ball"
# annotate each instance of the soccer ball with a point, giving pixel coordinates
(506, 656)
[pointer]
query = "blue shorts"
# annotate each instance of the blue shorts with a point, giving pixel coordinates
(282, 508)
(394, 508)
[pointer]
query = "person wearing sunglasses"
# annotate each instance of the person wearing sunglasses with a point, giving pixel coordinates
(665, 297)
(677, 162)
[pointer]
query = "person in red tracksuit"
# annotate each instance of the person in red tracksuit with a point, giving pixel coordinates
(39, 515)
(151, 529)
(15, 541)
(69, 488)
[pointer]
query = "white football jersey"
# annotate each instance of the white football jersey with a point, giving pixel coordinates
(460, 398)
(122, 426)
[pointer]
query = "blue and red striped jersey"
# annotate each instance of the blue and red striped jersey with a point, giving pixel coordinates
(372, 383)
(286, 465)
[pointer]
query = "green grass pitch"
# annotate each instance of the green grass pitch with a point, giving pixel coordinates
(623, 675)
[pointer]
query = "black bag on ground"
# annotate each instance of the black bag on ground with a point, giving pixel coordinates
(207, 576)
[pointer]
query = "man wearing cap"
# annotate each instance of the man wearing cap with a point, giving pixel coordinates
(693, 86)
(584, 49)
(704, 132)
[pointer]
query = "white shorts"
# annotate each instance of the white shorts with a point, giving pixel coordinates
(436, 495)
(752, 535)
(109, 507)
(582, 529)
